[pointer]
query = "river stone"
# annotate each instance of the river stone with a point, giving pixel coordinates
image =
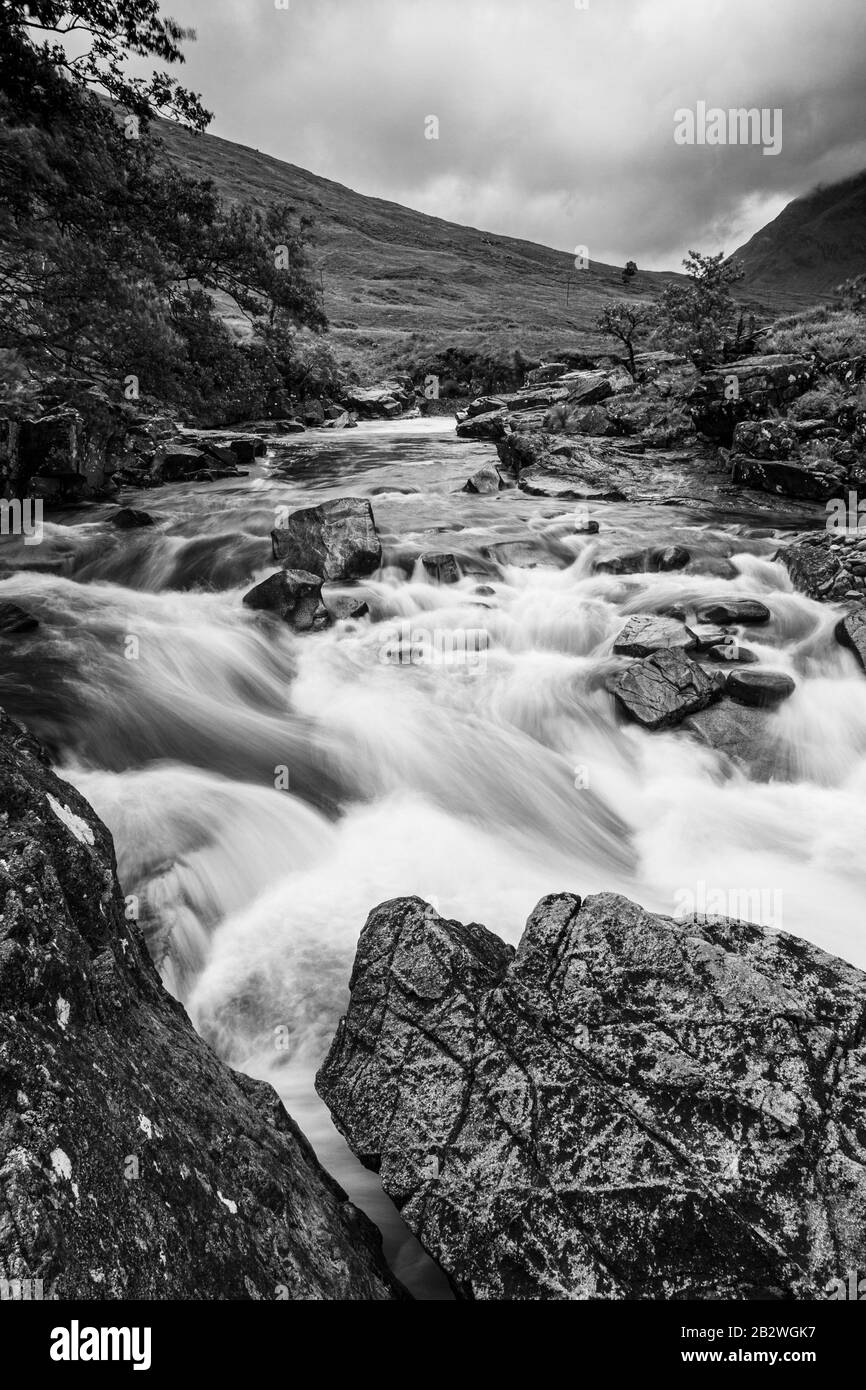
(336, 540)
(293, 595)
(135, 1165)
(129, 519)
(654, 560)
(731, 651)
(486, 480)
(345, 607)
(442, 568)
(733, 611)
(662, 689)
(177, 462)
(628, 1107)
(851, 632)
(747, 737)
(763, 689)
(646, 633)
(14, 620)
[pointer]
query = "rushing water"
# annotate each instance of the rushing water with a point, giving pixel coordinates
(479, 783)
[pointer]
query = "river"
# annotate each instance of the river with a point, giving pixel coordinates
(266, 790)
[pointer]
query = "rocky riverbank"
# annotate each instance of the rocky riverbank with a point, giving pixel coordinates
(133, 1164)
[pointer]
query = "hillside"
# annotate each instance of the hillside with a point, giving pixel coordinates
(388, 272)
(816, 242)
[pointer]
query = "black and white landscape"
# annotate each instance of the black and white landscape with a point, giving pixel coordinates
(432, 659)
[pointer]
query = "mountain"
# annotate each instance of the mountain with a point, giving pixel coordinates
(816, 242)
(388, 272)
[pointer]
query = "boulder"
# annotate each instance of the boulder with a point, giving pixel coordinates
(491, 425)
(815, 569)
(765, 439)
(337, 540)
(627, 1107)
(815, 481)
(295, 596)
(661, 690)
(749, 389)
(177, 462)
(346, 607)
(487, 480)
(646, 633)
(129, 519)
(15, 620)
(442, 568)
(851, 633)
(135, 1165)
(762, 689)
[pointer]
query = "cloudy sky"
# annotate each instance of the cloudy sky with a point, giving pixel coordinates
(556, 122)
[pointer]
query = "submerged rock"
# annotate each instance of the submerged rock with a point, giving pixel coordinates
(134, 1164)
(628, 1107)
(14, 620)
(337, 540)
(129, 519)
(661, 690)
(295, 596)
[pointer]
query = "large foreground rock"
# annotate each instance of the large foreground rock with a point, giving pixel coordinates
(293, 595)
(628, 1107)
(133, 1164)
(337, 540)
(663, 689)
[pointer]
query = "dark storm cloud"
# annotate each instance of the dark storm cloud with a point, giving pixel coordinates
(556, 123)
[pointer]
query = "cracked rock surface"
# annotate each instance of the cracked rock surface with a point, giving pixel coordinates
(133, 1164)
(628, 1106)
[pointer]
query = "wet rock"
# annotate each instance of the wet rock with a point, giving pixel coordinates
(816, 482)
(815, 569)
(490, 426)
(707, 636)
(731, 651)
(646, 633)
(747, 738)
(765, 439)
(293, 595)
(733, 611)
(177, 462)
(441, 567)
(15, 620)
(337, 540)
(486, 480)
(851, 633)
(135, 1165)
(345, 607)
(247, 449)
(628, 1107)
(762, 689)
(661, 690)
(654, 560)
(129, 519)
(749, 389)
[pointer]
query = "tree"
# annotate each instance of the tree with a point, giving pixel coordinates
(105, 250)
(701, 320)
(627, 322)
(629, 272)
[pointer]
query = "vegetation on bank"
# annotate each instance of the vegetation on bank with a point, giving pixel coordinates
(110, 258)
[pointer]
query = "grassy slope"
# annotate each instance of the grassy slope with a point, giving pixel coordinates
(389, 272)
(397, 282)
